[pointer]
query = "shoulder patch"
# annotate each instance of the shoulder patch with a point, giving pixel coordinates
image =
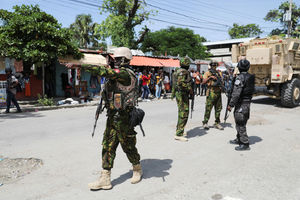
(237, 82)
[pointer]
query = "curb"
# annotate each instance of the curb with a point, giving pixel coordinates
(45, 108)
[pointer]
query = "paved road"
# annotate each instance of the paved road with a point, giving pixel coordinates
(206, 167)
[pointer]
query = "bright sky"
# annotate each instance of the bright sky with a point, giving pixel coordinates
(210, 19)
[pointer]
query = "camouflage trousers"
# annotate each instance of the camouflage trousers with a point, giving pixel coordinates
(183, 111)
(118, 131)
(214, 99)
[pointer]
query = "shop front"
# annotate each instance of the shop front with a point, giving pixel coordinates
(74, 80)
(30, 81)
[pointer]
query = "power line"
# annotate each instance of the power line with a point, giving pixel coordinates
(190, 17)
(191, 26)
(229, 11)
(189, 11)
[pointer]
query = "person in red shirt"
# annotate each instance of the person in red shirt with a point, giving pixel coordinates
(145, 78)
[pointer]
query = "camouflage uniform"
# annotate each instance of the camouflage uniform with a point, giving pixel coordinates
(117, 125)
(213, 99)
(181, 91)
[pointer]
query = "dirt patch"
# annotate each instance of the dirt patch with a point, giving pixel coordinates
(13, 169)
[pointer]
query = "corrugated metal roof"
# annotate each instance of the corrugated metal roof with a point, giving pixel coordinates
(154, 62)
(233, 41)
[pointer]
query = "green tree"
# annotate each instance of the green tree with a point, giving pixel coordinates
(243, 31)
(34, 36)
(276, 15)
(175, 41)
(124, 16)
(84, 33)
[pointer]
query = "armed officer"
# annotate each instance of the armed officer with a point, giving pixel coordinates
(182, 89)
(241, 99)
(119, 103)
(214, 82)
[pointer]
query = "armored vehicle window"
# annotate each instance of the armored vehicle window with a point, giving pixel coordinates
(243, 52)
(295, 46)
(278, 50)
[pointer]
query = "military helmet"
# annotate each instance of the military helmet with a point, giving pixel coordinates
(123, 52)
(213, 63)
(185, 62)
(243, 65)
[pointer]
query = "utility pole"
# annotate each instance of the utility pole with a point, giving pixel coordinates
(290, 19)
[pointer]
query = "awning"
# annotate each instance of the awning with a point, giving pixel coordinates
(88, 59)
(154, 62)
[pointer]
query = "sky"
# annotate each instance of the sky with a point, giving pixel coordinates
(210, 19)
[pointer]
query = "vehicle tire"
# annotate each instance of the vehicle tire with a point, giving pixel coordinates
(290, 93)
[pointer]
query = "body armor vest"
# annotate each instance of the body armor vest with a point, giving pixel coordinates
(118, 96)
(248, 81)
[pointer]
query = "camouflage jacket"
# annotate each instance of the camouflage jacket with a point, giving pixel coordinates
(182, 81)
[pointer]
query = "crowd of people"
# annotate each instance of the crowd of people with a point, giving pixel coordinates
(156, 83)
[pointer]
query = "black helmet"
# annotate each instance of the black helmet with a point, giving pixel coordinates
(214, 63)
(243, 65)
(7, 70)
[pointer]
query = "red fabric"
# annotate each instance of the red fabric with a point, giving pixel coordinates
(19, 66)
(145, 79)
(27, 90)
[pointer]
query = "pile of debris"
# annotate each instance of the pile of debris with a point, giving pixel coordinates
(13, 169)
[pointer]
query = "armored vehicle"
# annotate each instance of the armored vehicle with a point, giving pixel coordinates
(275, 62)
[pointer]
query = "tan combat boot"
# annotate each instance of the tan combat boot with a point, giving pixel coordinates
(103, 182)
(218, 126)
(181, 138)
(137, 174)
(185, 134)
(205, 126)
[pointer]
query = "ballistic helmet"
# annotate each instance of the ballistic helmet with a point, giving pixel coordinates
(213, 63)
(7, 70)
(185, 62)
(243, 65)
(123, 52)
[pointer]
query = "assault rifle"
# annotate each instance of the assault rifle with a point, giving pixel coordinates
(229, 96)
(192, 97)
(98, 112)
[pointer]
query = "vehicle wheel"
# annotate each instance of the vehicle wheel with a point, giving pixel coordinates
(290, 93)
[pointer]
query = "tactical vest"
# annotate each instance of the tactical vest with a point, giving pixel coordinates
(248, 81)
(120, 97)
(178, 72)
(218, 82)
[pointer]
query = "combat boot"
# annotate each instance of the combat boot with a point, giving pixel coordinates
(185, 134)
(235, 141)
(218, 126)
(242, 147)
(137, 174)
(103, 182)
(181, 138)
(205, 126)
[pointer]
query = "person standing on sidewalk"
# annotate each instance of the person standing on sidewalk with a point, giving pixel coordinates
(11, 90)
(214, 81)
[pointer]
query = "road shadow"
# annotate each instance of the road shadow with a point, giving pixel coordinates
(267, 101)
(196, 132)
(14, 115)
(254, 139)
(226, 125)
(151, 168)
